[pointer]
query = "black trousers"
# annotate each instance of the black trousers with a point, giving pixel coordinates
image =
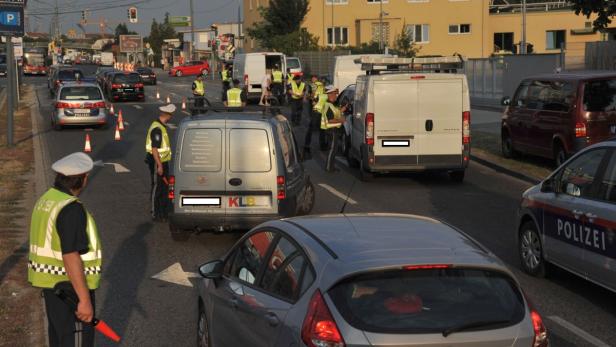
(315, 125)
(333, 134)
(278, 91)
(159, 193)
(296, 110)
(65, 330)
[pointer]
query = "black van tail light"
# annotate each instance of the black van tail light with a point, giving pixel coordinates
(370, 129)
(319, 328)
(282, 188)
(466, 127)
(580, 129)
(171, 187)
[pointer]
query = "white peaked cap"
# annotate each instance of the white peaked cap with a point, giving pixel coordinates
(170, 108)
(330, 89)
(74, 164)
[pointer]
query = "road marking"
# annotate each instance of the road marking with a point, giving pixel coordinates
(337, 193)
(577, 331)
(176, 275)
(119, 168)
(138, 107)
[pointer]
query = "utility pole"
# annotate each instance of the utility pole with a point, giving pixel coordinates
(11, 84)
(239, 27)
(523, 41)
(192, 31)
(381, 26)
(56, 22)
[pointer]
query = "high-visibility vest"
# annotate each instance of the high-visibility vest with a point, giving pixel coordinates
(277, 76)
(318, 106)
(297, 90)
(45, 263)
(318, 89)
(325, 124)
(165, 147)
(234, 97)
(199, 88)
(225, 75)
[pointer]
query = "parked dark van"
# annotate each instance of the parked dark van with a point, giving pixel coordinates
(556, 115)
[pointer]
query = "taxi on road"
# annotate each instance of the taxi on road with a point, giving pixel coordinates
(569, 219)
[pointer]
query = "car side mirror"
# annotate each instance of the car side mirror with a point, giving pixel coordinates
(506, 101)
(212, 269)
(547, 186)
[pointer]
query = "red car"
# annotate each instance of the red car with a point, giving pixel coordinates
(191, 68)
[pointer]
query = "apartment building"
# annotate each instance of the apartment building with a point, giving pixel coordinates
(473, 28)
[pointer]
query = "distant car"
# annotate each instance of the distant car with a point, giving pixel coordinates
(125, 86)
(294, 66)
(191, 68)
(100, 73)
(363, 280)
(79, 104)
(569, 219)
(147, 75)
(554, 116)
(63, 75)
(2, 70)
(104, 78)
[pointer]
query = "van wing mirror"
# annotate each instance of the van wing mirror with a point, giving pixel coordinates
(212, 269)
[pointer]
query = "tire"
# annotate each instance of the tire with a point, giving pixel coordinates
(457, 176)
(364, 174)
(560, 155)
(305, 207)
(178, 234)
(178, 73)
(530, 250)
(507, 146)
(203, 330)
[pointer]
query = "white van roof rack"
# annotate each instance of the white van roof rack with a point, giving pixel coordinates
(375, 65)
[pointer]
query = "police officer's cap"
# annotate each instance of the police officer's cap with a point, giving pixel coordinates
(331, 89)
(74, 164)
(170, 108)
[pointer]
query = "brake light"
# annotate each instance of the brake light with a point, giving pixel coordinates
(319, 328)
(427, 267)
(541, 333)
(116, 85)
(282, 189)
(67, 105)
(466, 127)
(580, 129)
(370, 128)
(139, 85)
(171, 187)
(418, 77)
(99, 104)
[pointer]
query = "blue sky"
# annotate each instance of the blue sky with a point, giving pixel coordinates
(206, 12)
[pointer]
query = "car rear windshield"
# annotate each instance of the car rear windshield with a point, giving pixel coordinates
(144, 71)
(201, 150)
(425, 301)
(249, 151)
(80, 93)
(292, 64)
(69, 75)
(600, 96)
(126, 78)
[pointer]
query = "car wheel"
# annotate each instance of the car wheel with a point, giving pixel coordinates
(531, 250)
(178, 234)
(203, 330)
(507, 146)
(178, 73)
(364, 174)
(560, 155)
(305, 207)
(457, 176)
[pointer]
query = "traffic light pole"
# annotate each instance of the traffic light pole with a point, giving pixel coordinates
(192, 31)
(11, 86)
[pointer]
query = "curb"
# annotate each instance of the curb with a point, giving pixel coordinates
(502, 169)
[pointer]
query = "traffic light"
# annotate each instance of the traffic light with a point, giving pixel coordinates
(132, 14)
(83, 15)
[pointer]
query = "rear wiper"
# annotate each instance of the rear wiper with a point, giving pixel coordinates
(472, 325)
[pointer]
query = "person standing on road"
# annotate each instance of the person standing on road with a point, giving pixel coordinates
(65, 249)
(235, 97)
(332, 120)
(318, 101)
(158, 148)
(265, 88)
(298, 95)
(198, 90)
(225, 75)
(277, 83)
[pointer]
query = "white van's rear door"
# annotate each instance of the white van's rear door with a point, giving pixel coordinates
(396, 122)
(255, 70)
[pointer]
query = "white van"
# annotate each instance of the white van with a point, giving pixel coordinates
(346, 69)
(409, 120)
(294, 66)
(250, 69)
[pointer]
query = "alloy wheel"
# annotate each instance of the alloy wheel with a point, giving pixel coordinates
(530, 250)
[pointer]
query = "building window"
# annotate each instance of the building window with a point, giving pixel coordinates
(337, 2)
(503, 42)
(377, 1)
(555, 39)
(419, 33)
(376, 33)
(338, 36)
(460, 29)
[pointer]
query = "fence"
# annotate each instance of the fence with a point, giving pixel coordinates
(319, 62)
(601, 55)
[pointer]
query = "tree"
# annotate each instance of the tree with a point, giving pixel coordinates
(158, 33)
(404, 45)
(604, 9)
(122, 29)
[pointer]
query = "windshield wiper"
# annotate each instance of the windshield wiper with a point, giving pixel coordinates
(472, 325)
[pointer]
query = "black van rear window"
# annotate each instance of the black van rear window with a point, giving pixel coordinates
(600, 96)
(126, 78)
(421, 301)
(201, 150)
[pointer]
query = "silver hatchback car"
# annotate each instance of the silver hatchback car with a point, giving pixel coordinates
(362, 280)
(79, 103)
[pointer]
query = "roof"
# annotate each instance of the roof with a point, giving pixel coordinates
(79, 84)
(230, 115)
(575, 75)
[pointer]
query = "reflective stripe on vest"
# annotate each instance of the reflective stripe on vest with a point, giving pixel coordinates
(199, 88)
(234, 97)
(325, 124)
(298, 90)
(165, 147)
(277, 76)
(318, 106)
(225, 75)
(45, 263)
(318, 89)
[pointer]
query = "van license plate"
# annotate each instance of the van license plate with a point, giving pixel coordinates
(613, 129)
(201, 201)
(396, 143)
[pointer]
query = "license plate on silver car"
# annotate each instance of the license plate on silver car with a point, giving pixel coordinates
(82, 112)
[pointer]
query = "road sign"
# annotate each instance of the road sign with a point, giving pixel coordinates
(131, 43)
(11, 20)
(179, 21)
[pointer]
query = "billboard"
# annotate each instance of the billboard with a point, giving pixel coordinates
(131, 43)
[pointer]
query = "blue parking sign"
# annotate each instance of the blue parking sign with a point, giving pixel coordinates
(11, 20)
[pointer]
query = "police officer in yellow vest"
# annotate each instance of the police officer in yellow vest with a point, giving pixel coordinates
(198, 90)
(318, 101)
(278, 84)
(158, 158)
(332, 119)
(66, 252)
(235, 97)
(298, 95)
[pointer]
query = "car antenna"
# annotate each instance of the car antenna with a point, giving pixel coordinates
(346, 200)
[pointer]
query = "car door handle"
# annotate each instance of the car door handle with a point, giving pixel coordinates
(272, 319)
(591, 217)
(577, 214)
(235, 182)
(234, 303)
(429, 125)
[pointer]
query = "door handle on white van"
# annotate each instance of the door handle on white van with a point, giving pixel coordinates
(429, 125)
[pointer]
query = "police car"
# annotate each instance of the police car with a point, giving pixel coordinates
(569, 219)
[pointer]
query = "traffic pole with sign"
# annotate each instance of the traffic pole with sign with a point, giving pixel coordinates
(10, 71)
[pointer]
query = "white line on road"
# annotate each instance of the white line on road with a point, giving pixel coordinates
(138, 107)
(577, 331)
(337, 193)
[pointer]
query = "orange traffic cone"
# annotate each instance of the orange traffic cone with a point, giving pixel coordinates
(117, 133)
(183, 103)
(111, 110)
(88, 147)
(168, 99)
(157, 94)
(120, 120)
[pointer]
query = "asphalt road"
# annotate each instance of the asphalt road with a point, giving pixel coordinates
(150, 312)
